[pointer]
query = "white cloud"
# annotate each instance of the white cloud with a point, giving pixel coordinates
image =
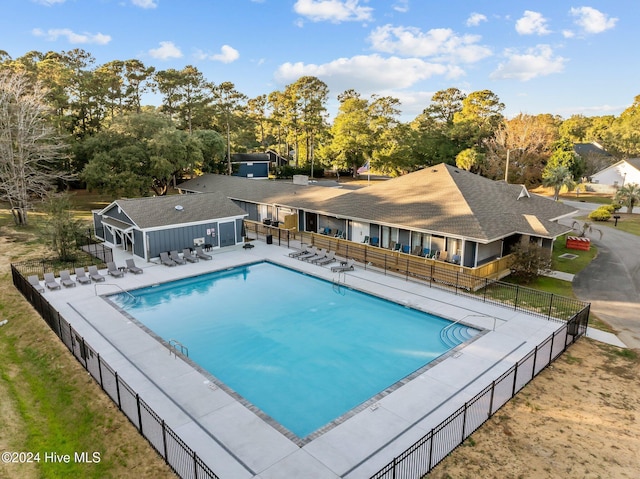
(145, 3)
(335, 11)
(535, 62)
(75, 38)
(401, 6)
(476, 19)
(440, 43)
(227, 55)
(592, 20)
(372, 73)
(532, 23)
(48, 3)
(165, 51)
(568, 33)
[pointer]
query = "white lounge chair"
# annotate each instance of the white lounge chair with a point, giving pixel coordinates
(330, 258)
(345, 266)
(176, 257)
(94, 274)
(65, 279)
(201, 254)
(50, 281)
(164, 258)
(131, 266)
(35, 282)
(186, 254)
(113, 270)
(81, 276)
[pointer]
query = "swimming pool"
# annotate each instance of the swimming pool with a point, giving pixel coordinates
(303, 351)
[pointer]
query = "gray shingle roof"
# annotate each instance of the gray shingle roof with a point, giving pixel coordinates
(160, 211)
(439, 199)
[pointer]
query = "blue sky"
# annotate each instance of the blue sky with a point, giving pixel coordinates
(559, 57)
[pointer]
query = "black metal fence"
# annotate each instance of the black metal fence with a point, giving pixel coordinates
(434, 274)
(180, 457)
(426, 453)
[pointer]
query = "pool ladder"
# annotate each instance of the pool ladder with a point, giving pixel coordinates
(174, 345)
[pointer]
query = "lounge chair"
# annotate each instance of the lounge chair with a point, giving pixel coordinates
(322, 254)
(164, 258)
(312, 252)
(330, 258)
(176, 257)
(201, 254)
(65, 279)
(50, 281)
(113, 270)
(35, 282)
(81, 276)
(295, 254)
(344, 266)
(186, 254)
(95, 275)
(131, 266)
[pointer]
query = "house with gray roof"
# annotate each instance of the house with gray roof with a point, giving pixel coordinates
(623, 172)
(148, 226)
(437, 209)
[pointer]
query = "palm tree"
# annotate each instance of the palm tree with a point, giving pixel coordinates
(629, 195)
(586, 229)
(558, 176)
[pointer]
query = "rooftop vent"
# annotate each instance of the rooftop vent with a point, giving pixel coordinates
(179, 208)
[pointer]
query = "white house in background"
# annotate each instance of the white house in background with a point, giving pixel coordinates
(622, 173)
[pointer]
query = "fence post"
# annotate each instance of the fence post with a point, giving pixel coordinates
(550, 305)
(195, 465)
(515, 302)
(100, 371)
(553, 338)
(139, 414)
(430, 452)
(493, 388)
(515, 377)
(535, 357)
(164, 441)
(464, 421)
(118, 390)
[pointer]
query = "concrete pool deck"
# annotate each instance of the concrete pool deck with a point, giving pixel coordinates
(236, 442)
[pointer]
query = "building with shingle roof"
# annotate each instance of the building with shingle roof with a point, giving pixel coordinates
(148, 226)
(440, 208)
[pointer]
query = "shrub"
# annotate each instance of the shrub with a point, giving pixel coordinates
(601, 214)
(529, 261)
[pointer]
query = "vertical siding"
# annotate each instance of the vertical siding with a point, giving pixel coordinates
(180, 238)
(138, 245)
(98, 229)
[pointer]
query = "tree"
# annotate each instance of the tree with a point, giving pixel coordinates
(629, 196)
(61, 227)
(229, 104)
(470, 160)
(558, 176)
(30, 151)
(585, 229)
(565, 155)
(529, 261)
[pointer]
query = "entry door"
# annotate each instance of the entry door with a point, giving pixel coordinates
(311, 222)
(227, 234)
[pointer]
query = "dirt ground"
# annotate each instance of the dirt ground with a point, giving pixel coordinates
(578, 419)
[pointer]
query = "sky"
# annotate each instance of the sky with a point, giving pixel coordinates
(559, 57)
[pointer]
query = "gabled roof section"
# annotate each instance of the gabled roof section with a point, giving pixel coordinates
(586, 149)
(151, 212)
(635, 162)
(446, 199)
(270, 192)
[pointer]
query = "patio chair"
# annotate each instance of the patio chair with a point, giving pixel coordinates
(65, 279)
(186, 254)
(443, 255)
(339, 234)
(312, 252)
(94, 274)
(322, 254)
(425, 252)
(300, 252)
(81, 276)
(456, 259)
(113, 270)
(417, 250)
(176, 257)
(131, 266)
(35, 282)
(50, 281)
(164, 258)
(395, 246)
(201, 254)
(366, 240)
(344, 266)
(375, 241)
(406, 248)
(330, 258)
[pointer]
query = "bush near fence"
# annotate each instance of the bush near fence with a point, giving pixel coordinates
(180, 457)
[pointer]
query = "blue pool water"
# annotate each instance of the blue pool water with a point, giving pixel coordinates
(302, 350)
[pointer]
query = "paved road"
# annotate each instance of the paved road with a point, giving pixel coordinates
(611, 283)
